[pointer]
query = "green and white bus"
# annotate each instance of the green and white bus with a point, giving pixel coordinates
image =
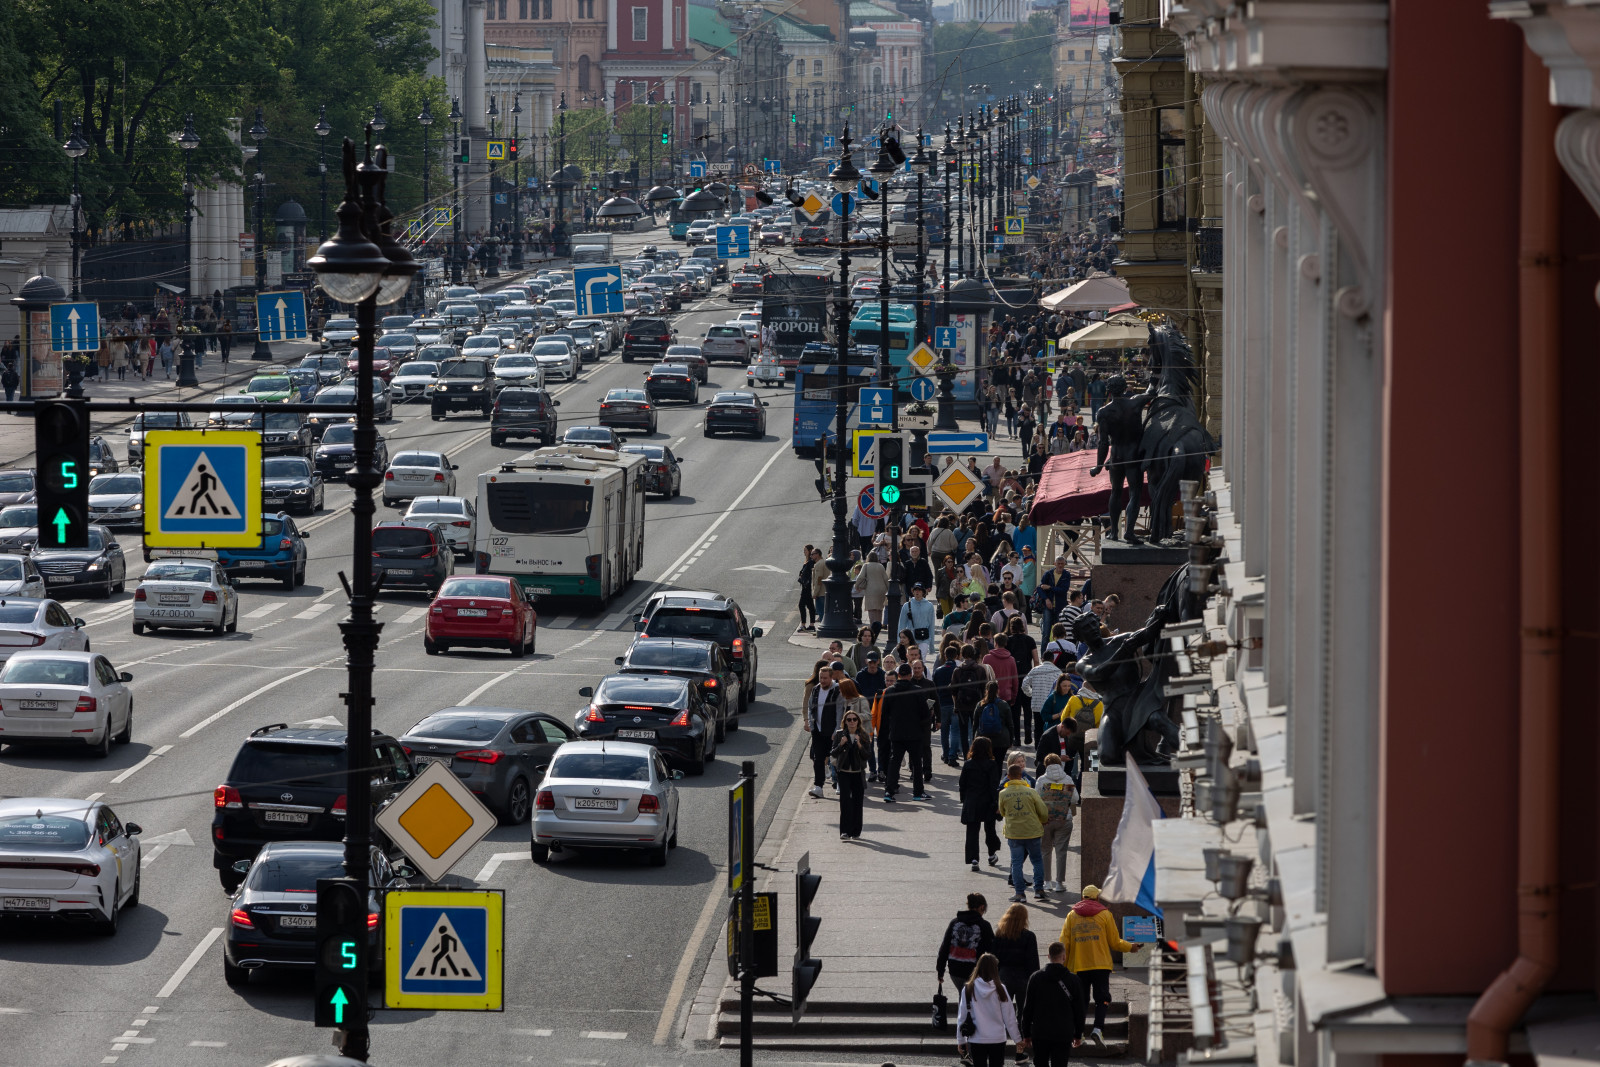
(565, 521)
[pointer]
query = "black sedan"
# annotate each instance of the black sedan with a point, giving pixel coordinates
(661, 471)
(98, 568)
(336, 455)
(740, 412)
(498, 753)
(653, 709)
(691, 357)
(672, 381)
(288, 483)
(701, 662)
(628, 407)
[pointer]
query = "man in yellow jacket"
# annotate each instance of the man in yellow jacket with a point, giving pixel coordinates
(1090, 934)
(1025, 816)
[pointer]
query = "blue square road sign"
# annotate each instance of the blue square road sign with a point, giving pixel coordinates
(281, 316)
(944, 337)
(598, 289)
(75, 327)
(876, 407)
(733, 242)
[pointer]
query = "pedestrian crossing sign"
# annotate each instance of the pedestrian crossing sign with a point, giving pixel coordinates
(441, 216)
(444, 950)
(496, 152)
(1013, 226)
(202, 489)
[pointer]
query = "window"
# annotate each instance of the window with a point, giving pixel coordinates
(583, 72)
(677, 25)
(816, 67)
(489, 12)
(503, 8)
(531, 508)
(1171, 205)
(696, 90)
(522, 9)
(800, 67)
(641, 24)
(547, 9)
(1072, 55)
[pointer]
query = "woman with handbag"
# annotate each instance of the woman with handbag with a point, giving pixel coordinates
(919, 616)
(851, 745)
(872, 586)
(986, 1018)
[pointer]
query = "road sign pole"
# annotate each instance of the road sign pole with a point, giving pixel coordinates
(747, 920)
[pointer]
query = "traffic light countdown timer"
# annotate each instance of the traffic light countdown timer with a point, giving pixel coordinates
(340, 981)
(61, 447)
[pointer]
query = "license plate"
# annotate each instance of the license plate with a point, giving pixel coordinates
(646, 735)
(298, 922)
(37, 705)
(407, 571)
(58, 579)
(248, 563)
(598, 803)
(286, 816)
(27, 903)
(343, 462)
(172, 613)
(174, 598)
(423, 761)
(539, 590)
(476, 613)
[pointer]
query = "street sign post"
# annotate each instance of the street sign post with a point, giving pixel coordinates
(957, 443)
(861, 463)
(773, 166)
(202, 489)
(876, 407)
(75, 327)
(435, 821)
(733, 242)
(957, 486)
(746, 904)
(444, 950)
(944, 337)
(922, 388)
(281, 316)
(598, 290)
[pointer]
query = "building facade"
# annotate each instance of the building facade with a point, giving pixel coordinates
(574, 31)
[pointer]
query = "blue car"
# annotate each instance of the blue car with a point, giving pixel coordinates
(282, 555)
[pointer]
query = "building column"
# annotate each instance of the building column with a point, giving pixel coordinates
(611, 26)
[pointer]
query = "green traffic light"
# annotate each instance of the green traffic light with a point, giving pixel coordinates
(891, 494)
(61, 522)
(339, 1001)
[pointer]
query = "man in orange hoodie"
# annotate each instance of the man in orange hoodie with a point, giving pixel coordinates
(1090, 934)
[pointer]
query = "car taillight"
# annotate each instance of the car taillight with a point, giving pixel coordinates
(479, 755)
(138, 594)
(544, 800)
(226, 796)
(738, 647)
(339, 806)
(507, 612)
(388, 476)
(87, 704)
(633, 337)
(649, 804)
(241, 918)
(711, 683)
(285, 543)
(663, 469)
(462, 523)
(681, 719)
(210, 597)
(438, 477)
(594, 715)
(592, 564)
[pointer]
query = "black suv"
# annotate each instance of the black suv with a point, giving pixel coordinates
(647, 339)
(463, 383)
(520, 412)
(411, 555)
(706, 617)
(812, 238)
(703, 663)
(288, 785)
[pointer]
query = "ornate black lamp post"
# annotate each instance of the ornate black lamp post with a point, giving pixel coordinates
(947, 378)
(455, 192)
(188, 140)
(883, 170)
(559, 230)
(920, 164)
(425, 120)
(75, 148)
(516, 183)
(258, 134)
(838, 619)
(322, 129)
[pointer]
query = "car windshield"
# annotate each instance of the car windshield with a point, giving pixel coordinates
(510, 362)
(648, 451)
(582, 435)
(45, 672)
(465, 368)
(18, 516)
(277, 763)
(397, 340)
(550, 348)
(613, 766)
(482, 341)
(691, 622)
(638, 689)
(117, 483)
(46, 833)
(520, 400)
(179, 572)
(494, 588)
(283, 420)
(682, 350)
(294, 872)
(419, 370)
(20, 482)
(153, 420)
(10, 570)
(339, 394)
(457, 727)
(725, 331)
(438, 506)
(626, 394)
(285, 467)
(340, 324)
(668, 655)
(418, 459)
(339, 434)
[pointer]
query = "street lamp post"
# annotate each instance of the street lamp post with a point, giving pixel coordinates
(75, 148)
(516, 183)
(455, 192)
(838, 619)
(559, 230)
(920, 162)
(947, 378)
(961, 215)
(883, 170)
(322, 129)
(258, 134)
(188, 140)
(425, 120)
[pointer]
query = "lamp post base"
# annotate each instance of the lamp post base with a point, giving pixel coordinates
(947, 404)
(186, 378)
(262, 352)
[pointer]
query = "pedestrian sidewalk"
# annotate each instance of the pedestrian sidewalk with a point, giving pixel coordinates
(215, 377)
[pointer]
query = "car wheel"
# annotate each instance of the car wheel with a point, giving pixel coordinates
(138, 883)
(105, 594)
(517, 649)
(437, 417)
(708, 432)
(495, 440)
(658, 854)
(539, 853)
(138, 629)
(429, 647)
(103, 749)
(219, 629)
(733, 719)
(672, 842)
(230, 879)
(288, 578)
(518, 803)
(722, 731)
(122, 583)
(233, 624)
(234, 975)
(127, 731)
(107, 927)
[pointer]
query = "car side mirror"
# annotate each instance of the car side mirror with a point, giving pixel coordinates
(402, 869)
(125, 676)
(304, 536)
(677, 775)
(242, 866)
(586, 691)
(765, 404)
(618, 661)
(455, 466)
(79, 623)
(555, 403)
(132, 828)
(757, 632)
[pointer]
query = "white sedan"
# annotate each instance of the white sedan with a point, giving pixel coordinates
(19, 576)
(117, 499)
(54, 698)
(68, 860)
(186, 594)
(485, 345)
(455, 513)
(556, 357)
(607, 795)
(414, 474)
(36, 624)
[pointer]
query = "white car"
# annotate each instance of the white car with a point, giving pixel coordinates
(413, 380)
(414, 474)
(66, 859)
(483, 345)
(556, 357)
(52, 698)
(39, 624)
(603, 336)
(117, 500)
(455, 513)
(185, 594)
(606, 795)
(519, 369)
(564, 308)
(19, 576)
(338, 333)
(428, 332)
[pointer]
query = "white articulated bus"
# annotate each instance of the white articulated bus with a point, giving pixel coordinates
(566, 521)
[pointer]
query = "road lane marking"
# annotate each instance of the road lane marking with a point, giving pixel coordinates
(208, 1044)
(267, 610)
(496, 860)
(141, 765)
(155, 846)
(411, 615)
(605, 1035)
(242, 701)
(189, 964)
(92, 797)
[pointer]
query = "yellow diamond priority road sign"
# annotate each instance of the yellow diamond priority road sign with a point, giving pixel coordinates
(1033, 181)
(922, 359)
(813, 205)
(957, 486)
(435, 820)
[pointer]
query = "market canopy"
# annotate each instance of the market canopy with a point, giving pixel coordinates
(1067, 493)
(1100, 293)
(1113, 333)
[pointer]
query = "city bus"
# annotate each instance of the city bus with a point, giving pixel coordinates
(565, 521)
(678, 219)
(815, 408)
(865, 330)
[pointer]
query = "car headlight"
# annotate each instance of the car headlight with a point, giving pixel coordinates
(301, 492)
(137, 505)
(92, 567)
(477, 388)
(441, 388)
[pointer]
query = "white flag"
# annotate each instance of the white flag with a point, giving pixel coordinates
(1132, 878)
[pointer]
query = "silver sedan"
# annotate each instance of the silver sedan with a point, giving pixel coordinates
(67, 860)
(606, 795)
(65, 698)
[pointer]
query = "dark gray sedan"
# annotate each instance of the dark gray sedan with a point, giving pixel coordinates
(498, 753)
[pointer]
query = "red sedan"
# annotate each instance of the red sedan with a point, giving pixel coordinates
(480, 611)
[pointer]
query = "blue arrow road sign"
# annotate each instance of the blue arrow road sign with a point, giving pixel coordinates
(922, 388)
(444, 950)
(75, 327)
(944, 337)
(877, 407)
(697, 168)
(281, 316)
(598, 289)
(827, 140)
(839, 200)
(733, 242)
(941, 443)
(772, 166)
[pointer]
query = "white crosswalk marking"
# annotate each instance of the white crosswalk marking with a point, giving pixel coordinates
(411, 615)
(314, 610)
(267, 610)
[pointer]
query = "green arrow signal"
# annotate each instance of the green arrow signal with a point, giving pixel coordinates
(891, 494)
(338, 1002)
(61, 522)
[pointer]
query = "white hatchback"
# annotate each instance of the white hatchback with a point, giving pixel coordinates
(67, 859)
(414, 474)
(65, 698)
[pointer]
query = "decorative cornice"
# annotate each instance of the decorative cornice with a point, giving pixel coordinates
(1276, 37)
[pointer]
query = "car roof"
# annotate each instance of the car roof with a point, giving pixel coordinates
(47, 805)
(425, 500)
(483, 711)
(679, 599)
(307, 735)
(623, 748)
(302, 848)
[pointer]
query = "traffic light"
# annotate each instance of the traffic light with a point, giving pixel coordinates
(804, 973)
(464, 151)
(794, 116)
(61, 445)
(511, 150)
(891, 468)
(340, 981)
(666, 134)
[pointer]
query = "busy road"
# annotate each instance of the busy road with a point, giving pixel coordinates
(603, 952)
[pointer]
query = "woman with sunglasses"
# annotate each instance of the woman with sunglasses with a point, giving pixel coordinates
(851, 744)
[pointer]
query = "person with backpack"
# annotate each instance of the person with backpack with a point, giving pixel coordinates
(986, 1018)
(991, 718)
(1017, 949)
(967, 684)
(979, 789)
(1060, 796)
(968, 936)
(1024, 814)
(1053, 1011)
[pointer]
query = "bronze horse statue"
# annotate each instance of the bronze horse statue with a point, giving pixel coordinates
(1176, 446)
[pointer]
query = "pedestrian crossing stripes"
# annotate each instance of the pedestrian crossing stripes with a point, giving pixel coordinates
(267, 609)
(314, 610)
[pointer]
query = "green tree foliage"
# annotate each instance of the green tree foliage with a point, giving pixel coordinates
(968, 54)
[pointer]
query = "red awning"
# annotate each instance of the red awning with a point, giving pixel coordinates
(1066, 492)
